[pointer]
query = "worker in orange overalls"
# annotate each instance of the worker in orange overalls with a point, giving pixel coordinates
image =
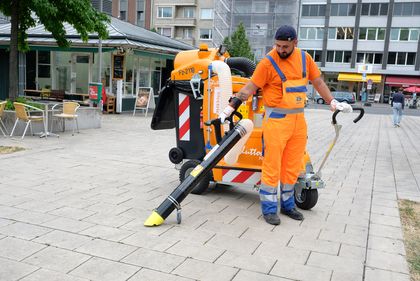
(283, 76)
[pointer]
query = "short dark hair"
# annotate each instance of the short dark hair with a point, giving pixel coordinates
(285, 33)
(401, 89)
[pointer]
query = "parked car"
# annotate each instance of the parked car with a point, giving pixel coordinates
(347, 97)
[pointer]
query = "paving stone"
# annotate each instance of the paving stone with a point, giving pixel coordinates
(381, 210)
(104, 270)
(57, 259)
(388, 245)
(227, 229)
(282, 253)
(181, 233)
(108, 220)
(152, 242)
(245, 261)
(106, 249)
(354, 252)
(386, 231)
(154, 260)
(336, 263)
(321, 246)
(24, 231)
(347, 238)
(346, 276)
(4, 222)
(226, 242)
(386, 220)
(151, 275)
(45, 274)
(301, 272)
(7, 212)
(13, 270)
(107, 233)
(72, 213)
(32, 217)
(244, 275)
(18, 249)
(66, 224)
(63, 239)
(195, 250)
(201, 270)
(374, 274)
(386, 261)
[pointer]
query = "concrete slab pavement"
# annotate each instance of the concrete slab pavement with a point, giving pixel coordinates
(73, 208)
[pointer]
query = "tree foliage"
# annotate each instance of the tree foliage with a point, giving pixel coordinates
(53, 14)
(238, 44)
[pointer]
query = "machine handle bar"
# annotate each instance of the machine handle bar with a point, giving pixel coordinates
(217, 124)
(362, 112)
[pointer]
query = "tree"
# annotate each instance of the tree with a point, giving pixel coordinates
(238, 44)
(52, 14)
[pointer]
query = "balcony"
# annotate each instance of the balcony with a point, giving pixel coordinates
(185, 22)
(184, 2)
(190, 41)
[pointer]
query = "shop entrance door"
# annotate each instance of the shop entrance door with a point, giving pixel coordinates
(81, 73)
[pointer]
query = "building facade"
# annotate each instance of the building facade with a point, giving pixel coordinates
(189, 21)
(260, 18)
(352, 37)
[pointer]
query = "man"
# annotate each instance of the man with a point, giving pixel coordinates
(397, 105)
(283, 76)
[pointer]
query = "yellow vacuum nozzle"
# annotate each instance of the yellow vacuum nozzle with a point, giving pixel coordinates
(154, 220)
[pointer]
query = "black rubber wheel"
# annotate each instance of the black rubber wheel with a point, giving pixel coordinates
(307, 199)
(202, 185)
(176, 155)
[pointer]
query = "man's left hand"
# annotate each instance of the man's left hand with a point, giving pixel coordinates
(342, 106)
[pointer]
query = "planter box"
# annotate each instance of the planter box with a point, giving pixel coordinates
(88, 118)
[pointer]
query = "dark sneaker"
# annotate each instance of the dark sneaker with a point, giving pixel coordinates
(293, 213)
(272, 219)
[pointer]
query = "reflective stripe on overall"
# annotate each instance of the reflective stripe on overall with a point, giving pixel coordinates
(285, 134)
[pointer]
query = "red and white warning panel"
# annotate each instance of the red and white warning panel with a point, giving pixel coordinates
(184, 117)
(241, 176)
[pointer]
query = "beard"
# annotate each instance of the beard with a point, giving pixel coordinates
(285, 55)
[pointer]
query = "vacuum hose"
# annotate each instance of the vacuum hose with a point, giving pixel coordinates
(173, 201)
(244, 65)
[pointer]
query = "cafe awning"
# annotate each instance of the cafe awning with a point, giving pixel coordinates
(404, 81)
(357, 77)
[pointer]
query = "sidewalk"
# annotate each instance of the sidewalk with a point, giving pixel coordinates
(72, 208)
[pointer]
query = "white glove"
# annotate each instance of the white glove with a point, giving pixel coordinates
(226, 113)
(342, 106)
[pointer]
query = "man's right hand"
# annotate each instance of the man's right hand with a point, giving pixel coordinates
(226, 113)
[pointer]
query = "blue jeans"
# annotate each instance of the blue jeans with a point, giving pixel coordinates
(397, 109)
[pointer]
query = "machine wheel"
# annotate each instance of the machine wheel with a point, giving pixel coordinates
(307, 199)
(186, 169)
(176, 155)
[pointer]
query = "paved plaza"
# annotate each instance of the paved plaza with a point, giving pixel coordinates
(72, 208)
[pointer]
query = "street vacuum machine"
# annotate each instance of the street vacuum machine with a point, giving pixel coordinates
(207, 151)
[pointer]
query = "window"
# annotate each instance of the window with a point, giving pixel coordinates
(44, 64)
(374, 9)
(140, 16)
(313, 10)
(123, 15)
(339, 56)
(371, 33)
(343, 10)
(371, 58)
(165, 31)
(164, 12)
(405, 34)
(205, 34)
(187, 33)
(401, 58)
(362, 33)
(381, 34)
(259, 29)
(407, 9)
(341, 33)
(311, 33)
(206, 14)
(189, 12)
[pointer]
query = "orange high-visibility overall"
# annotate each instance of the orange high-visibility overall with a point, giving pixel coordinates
(284, 138)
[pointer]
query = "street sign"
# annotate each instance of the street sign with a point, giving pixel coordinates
(369, 86)
(364, 77)
(370, 82)
(364, 68)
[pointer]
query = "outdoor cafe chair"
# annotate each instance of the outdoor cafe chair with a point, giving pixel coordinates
(3, 128)
(69, 111)
(24, 113)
